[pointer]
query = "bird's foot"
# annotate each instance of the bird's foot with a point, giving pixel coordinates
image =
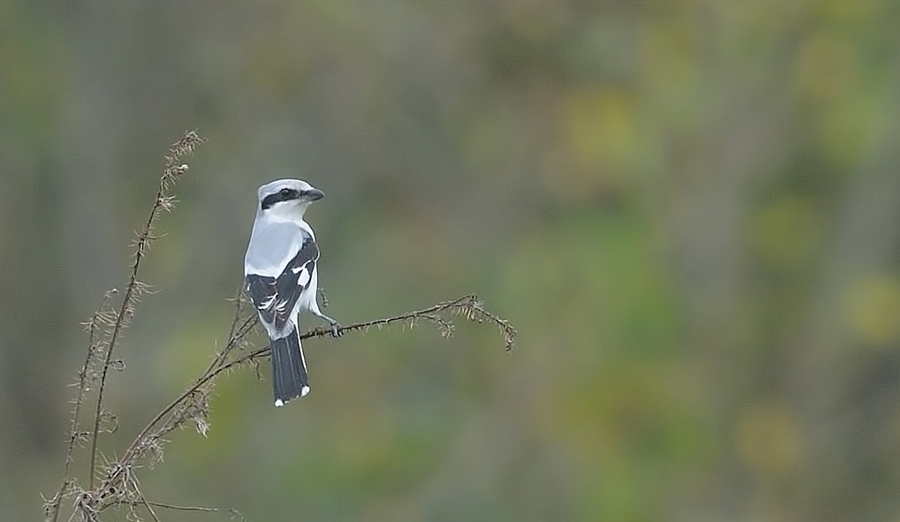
(336, 329)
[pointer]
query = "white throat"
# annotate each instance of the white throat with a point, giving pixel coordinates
(286, 211)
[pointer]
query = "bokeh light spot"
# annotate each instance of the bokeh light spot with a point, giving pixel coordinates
(874, 308)
(768, 439)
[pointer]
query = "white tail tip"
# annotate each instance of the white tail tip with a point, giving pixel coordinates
(303, 391)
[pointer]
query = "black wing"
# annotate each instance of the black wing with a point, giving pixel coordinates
(275, 298)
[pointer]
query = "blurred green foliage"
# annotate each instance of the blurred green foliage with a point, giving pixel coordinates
(688, 209)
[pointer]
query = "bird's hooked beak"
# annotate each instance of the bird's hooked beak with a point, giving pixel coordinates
(313, 194)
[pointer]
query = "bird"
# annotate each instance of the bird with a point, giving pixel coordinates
(281, 278)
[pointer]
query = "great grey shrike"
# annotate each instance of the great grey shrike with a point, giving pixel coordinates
(280, 277)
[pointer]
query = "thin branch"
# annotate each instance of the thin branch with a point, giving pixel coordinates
(236, 333)
(149, 508)
(173, 507)
(162, 202)
(469, 306)
(52, 506)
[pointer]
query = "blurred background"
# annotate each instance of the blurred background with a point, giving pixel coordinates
(690, 211)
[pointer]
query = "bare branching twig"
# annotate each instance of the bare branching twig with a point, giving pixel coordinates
(85, 378)
(235, 514)
(133, 290)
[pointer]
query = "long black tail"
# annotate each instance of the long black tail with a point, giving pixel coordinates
(288, 368)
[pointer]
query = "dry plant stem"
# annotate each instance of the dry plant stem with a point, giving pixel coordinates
(119, 485)
(74, 435)
(468, 306)
(236, 333)
(163, 201)
(173, 507)
(177, 412)
(149, 509)
(133, 453)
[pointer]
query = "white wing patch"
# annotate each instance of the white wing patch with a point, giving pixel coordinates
(303, 276)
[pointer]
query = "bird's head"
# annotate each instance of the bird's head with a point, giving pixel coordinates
(287, 198)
